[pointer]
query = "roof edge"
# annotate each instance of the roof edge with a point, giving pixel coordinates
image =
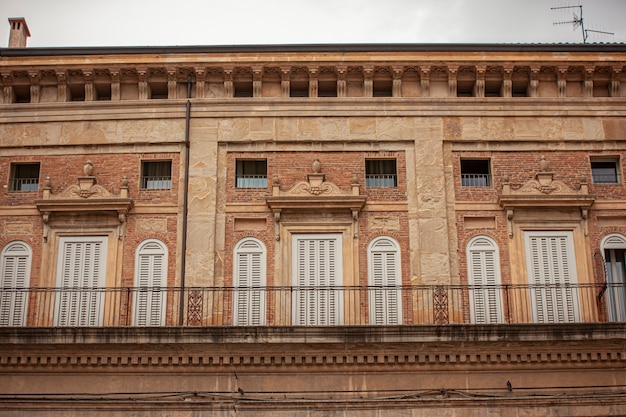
(311, 48)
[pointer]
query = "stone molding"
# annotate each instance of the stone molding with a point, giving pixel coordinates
(545, 192)
(589, 73)
(585, 345)
(85, 197)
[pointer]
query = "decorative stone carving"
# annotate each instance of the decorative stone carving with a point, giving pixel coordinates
(544, 192)
(315, 193)
(85, 197)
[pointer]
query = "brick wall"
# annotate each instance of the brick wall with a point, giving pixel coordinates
(520, 167)
(109, 169)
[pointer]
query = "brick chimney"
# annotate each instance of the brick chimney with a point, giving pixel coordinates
(19, 32)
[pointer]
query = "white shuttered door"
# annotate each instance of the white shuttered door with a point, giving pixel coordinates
(150, 283)
(16, 259)
(385, 304)
(249, 282)
(484, 280)
(317, 274)
(552, 276)
(80, 279)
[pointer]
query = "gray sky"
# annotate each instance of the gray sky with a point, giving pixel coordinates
(229, 22)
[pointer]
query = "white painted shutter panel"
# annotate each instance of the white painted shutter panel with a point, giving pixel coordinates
(249, 292)
(551, 274)
(486, 294)
(151, 283)
(318, 275)
(15, 277)
(80, 278)
(385, 296)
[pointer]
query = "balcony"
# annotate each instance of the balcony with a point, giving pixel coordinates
(311, 306)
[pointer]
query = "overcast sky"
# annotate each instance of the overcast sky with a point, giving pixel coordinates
(229, 22)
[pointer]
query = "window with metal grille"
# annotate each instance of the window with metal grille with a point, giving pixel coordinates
(24, 177)
(156, 175)
(251, 173)
(605, 171)
(381, 173)
(475, 173)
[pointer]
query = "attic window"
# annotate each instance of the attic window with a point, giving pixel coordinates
(605, 170)
(24, 177)
(381, 173)
(475, 173)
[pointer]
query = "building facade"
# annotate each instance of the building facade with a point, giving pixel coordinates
(323, 230)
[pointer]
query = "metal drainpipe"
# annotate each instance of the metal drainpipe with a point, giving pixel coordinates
(183, 260)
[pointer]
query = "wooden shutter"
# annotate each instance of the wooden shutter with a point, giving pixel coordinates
(385, 280)
(80, 279)
(614, 259)
(150, 284)
(249, 283)
(317, 276)
(484, 280)
(552, 276)
(16, 260)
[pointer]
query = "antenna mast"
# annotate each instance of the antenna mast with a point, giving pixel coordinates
(578, 21)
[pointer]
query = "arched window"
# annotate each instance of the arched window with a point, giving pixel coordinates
(483, 268)
(16, 260)
(150, 283)
(385, 281)
(614, 253)
(249, 283)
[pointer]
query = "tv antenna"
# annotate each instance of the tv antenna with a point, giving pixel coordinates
(578, 21)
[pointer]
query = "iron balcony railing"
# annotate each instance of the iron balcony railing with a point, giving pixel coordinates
(156, 183)
(381, 180)
(475, 180)
(312, 306)
(24, 184)
(251, 181)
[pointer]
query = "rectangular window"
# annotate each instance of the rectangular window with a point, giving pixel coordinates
(381, 173)
(24, 177)
(605, 171)
(156, 175)
(475, 173)
(251, 173)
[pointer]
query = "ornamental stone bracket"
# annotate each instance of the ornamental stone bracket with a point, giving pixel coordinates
(85, 197)
(544, 192)
(315, 194)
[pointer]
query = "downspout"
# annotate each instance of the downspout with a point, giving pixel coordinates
(183, 258)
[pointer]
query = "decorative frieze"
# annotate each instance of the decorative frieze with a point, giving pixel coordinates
(499, 79)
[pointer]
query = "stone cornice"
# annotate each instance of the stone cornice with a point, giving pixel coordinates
(585, 345)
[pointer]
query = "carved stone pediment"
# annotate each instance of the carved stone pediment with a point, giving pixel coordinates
(85, 197)
(315, 194)
(546, 193)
